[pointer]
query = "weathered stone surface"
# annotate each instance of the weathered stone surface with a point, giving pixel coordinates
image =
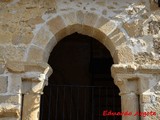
(5, 38)
(108, 28)
(33, 21)
(70, 18)
(34, 27)
(56, 24)
(14, 86)
(31, 107)
(15, 66)
(2, 68)
(36, 54)
(156, 43)
(153, 5)
(80, 17)
(90, 19)
(102, 21)
(143, 58)
(43, 37)
(133, 29)
(123, 55)
(9, 110)
(118, 39)
(3, 84)
(13, 99)
(14, 52)
(9, 118)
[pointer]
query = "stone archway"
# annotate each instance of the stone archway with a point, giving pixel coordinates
(104, 30)
(82, 66)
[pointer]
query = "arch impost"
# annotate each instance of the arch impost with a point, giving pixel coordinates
(135, 68)
(29, 66)
(33, 75)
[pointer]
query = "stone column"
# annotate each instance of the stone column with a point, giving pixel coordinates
(129, 102)
(127, 84)
(31, 107)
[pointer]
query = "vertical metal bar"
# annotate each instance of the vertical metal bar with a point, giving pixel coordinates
(63, 101)
(50, 96)
(42, 107)
(71, 106)
(57, 95)
(99, 102)
(106, 100)
(85, 102)
(139, 105)
(92, 91)
(113, 100)
(78, 103)
(22, 102)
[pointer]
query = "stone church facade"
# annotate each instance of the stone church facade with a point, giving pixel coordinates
(30, 29)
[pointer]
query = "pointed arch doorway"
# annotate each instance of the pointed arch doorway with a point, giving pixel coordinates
(81, 86)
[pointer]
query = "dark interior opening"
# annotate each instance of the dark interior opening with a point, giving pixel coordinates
(81, 86)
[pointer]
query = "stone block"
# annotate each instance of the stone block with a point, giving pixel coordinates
(14, 53)
(70, 18)
(33, 21)
(153, 5)
(102, 21)
(118, 39)
(108, 28)
(61, 34)
(43, 37)
(19, 38)
(2, 68)
(145, 98)
(26, 86)
(133, 29)
(51, 44)
(80, 17)
(123, 55)
(90, 19)
(3, 84)
(9, 110)
(56, 24)
(15, 67)
(5, 37)
(35, 54)
(11, 99)
(9, 118)
(14, 86)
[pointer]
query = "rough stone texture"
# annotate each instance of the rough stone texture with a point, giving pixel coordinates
(30, 29)
(36, 54)
(124, 55)
(13, 99)
(3, 84)
(143, 58)
(133, 29)
(157, 45)
(56, 24)
(31, 106)
(7, 110)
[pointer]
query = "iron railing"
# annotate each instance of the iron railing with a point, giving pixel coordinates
(75, 102)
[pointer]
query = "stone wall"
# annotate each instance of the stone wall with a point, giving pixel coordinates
(29, 30)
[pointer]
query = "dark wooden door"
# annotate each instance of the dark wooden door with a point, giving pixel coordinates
(81, 86)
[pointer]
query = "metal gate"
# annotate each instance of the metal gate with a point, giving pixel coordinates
(74, 102)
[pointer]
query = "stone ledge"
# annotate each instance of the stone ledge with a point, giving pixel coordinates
(135, 68)
(12, 99)
(7, 110)
(22, 67)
